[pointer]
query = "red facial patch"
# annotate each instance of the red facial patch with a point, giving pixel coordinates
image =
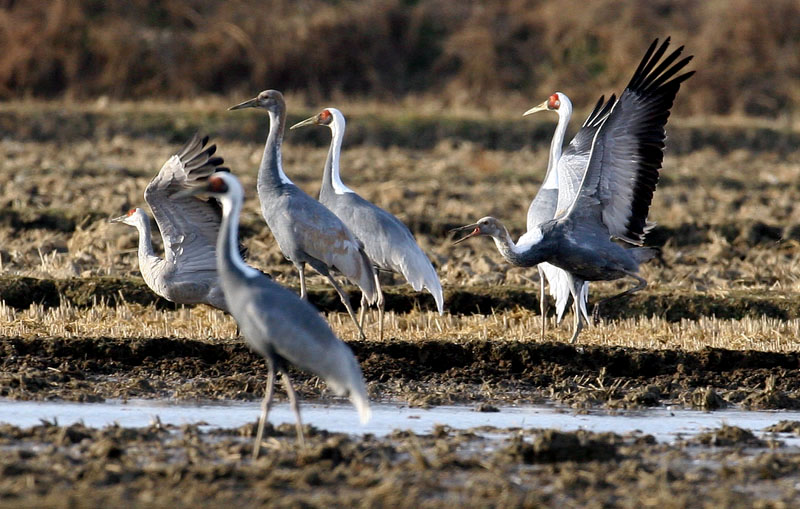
(554, 102)
(217, 185)
(131, 212)
(325, 117)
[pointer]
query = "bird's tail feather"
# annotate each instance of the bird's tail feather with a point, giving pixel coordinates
(361, 402)
(367, 280)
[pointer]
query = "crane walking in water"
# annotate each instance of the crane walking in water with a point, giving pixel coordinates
(275, 323)
(306, 231)
(188, 272)
(387, 241)
(624, 140)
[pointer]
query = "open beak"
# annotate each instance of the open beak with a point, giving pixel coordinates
(541, 107)
(476, 230)
(117, 219)
(308, 121)
(251, 103)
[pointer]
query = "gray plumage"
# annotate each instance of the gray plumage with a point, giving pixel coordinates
(188, 272)
(624, 140)
(387, 241)
(275, 322)
(306, 231)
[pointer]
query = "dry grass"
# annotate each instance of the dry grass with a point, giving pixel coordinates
(453, 183)
(203, 323)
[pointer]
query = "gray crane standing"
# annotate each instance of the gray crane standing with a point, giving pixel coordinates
(188, 272)
(387, 241)
(275, 323)
(306, 231)
(624, 140)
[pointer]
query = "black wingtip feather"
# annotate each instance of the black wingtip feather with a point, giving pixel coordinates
(656, 82)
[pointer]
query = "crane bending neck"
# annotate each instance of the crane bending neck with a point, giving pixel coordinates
(564, 114)
(270, 173)
(527, 252)
(332, 175)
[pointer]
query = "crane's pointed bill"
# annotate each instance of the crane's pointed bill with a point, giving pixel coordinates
(250, 103)
(118, 219)
(540, 107)
(476, 230)
(308, 121)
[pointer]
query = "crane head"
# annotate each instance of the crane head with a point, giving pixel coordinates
(553, 103)
(268, 100)
(132, 217)
(324, 117)
(487, 226)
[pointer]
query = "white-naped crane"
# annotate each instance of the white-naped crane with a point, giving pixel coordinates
(275, 322)
(188, 272)
(306, 231)
(387, 241)
(543, 209)
(622, 145)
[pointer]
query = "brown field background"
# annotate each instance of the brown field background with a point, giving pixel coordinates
(465, 52)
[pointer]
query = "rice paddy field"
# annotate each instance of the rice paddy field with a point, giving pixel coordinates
(718, 327)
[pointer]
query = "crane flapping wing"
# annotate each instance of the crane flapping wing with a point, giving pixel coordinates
(628, 148)
(189, 225)
(573, 162)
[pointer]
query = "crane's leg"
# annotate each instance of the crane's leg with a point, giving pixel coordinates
(642, 283)
(295, 408)
(542, 301)
(575, 290)
(362, 312)
(381, 304)
(301, 269)
(346, 301)
(265, 406)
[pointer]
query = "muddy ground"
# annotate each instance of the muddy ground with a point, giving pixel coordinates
(57, 466)
(729, 234)
(418, 372)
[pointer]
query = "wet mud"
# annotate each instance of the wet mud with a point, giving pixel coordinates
(421, 373)
(164, 466)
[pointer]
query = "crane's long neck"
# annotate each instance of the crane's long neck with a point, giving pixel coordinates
(564, 114)
(331, 180)
(229, 259)
(145, 251)
(529, 251)
(270, 173)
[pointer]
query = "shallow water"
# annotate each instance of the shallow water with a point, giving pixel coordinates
(666, 425)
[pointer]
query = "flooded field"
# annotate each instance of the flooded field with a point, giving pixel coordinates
(686, 396)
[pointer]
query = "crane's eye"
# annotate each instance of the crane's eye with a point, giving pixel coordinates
(131, 212)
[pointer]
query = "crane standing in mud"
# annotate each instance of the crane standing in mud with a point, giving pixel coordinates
(306, 231)
(624, 140)
(275, 322)
(387, 241)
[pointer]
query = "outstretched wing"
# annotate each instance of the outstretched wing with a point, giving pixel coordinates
(573, 162)
(628, 149)
(189, 225)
